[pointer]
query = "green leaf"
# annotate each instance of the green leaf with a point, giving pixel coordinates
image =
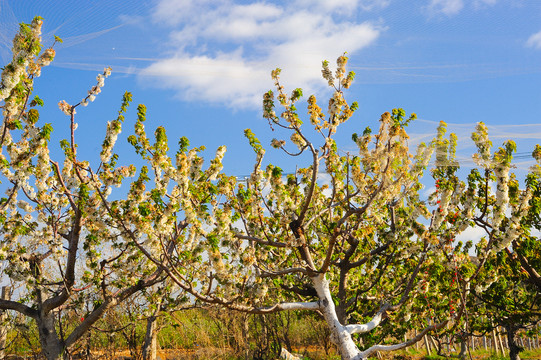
(33, 116)
(144, 209)
(36, 101)
(253, 140)
(183, 144)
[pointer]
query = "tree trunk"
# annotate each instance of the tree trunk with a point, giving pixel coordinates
(6, 295)
(51, 346)
(150, 346)
(514, 348)
(339, 335)
(462, 354)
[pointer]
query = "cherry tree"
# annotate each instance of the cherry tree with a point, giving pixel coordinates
(57, 245)
(508, 293)
(495, 277)
(348, 224)
(345, 235)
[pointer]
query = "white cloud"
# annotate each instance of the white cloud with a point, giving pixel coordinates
(224, 53)
(534, 41)
(225, 78)
(471, 233)
(446, 7)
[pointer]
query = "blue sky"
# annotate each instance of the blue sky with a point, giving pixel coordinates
(202, 66)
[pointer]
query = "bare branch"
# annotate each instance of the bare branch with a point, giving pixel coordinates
(69, 278)
(284, 272)
(371, 350)
(373, 252)
(21, 308)
(369, 326)
(261, 241)
(61, 180)
(109, 302)
(313, 305)
(310, 194)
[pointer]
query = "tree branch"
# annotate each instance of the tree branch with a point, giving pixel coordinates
(409, 286)
(108, 303)
(298, 230)
(533, 274)
(372, 324)
(306, 290)
(330, 251)
(261, 241)
(313, 305)
(284, 272)
(376, 251)
(308, 198)
(69, 278)
(371, 350)
(21, 308)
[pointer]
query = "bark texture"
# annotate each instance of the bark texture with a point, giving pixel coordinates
(150, 346)
(514, 348)
(339, 334)
(51, 346)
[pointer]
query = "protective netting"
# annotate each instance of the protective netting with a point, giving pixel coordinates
(123, 34)
(76, 22)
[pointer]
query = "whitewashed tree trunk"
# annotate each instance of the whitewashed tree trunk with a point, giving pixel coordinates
(340, 336)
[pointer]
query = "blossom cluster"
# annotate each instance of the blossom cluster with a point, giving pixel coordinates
(513, 229)
(24, 45)
(327, 73)
(481, 140)
(96, 89)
